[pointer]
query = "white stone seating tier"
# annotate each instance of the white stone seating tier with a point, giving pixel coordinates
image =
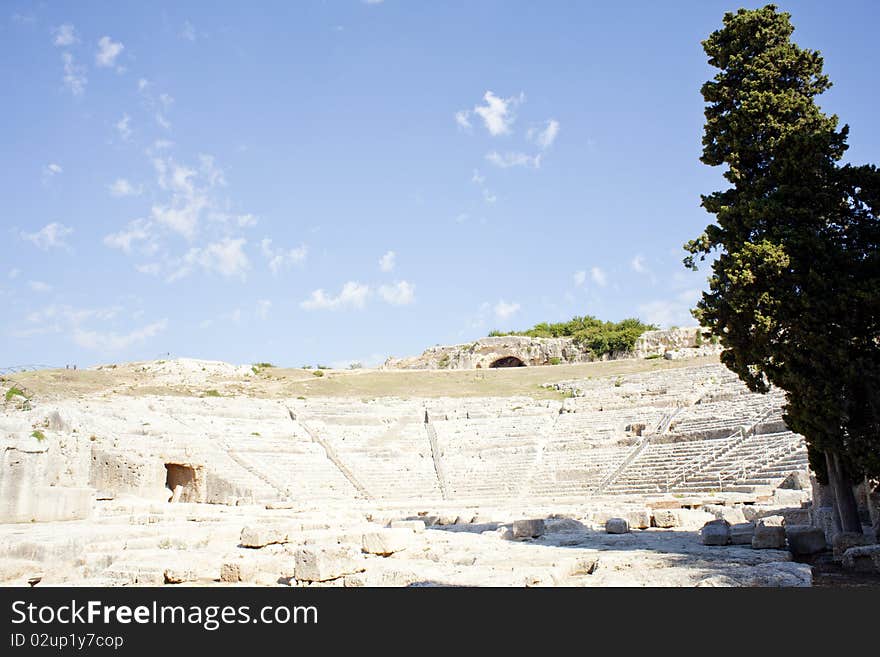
(312, 450)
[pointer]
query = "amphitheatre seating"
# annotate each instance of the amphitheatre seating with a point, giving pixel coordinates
(675, 430)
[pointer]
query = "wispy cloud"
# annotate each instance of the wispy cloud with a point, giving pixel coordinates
(352, 295)
(498, 114)
(279, 259)
(123, 127)
(39, 286)
(545, 136)
(263, 308)
(65, 35)
(225, 257)
(504, 310)
(112, 341)
(402, 293)
(387, 261)
(75, 79)
(50, 236)
(188, 32)
(122, 187)
(108, 51)
(513, 159)
(136, 231)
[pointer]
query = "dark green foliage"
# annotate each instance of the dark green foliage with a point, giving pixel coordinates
(599, 337)
(794, 295)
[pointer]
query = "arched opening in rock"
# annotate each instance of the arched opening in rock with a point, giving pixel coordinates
(184, 482)
(508, 361)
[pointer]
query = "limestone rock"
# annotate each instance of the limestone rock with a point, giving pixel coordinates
(804, 540)
(257, 536)
(665, 518)
(639, 519)
(179, 575)
(769, 534)
(386, 541)
(715, 532)
(742, 533)
(865, 558)
(846, 540)
(238, 571)
(413, 525)
(321, 564)
(617, 526)
(528, 528)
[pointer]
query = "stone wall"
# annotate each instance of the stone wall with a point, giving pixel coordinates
(486, 352)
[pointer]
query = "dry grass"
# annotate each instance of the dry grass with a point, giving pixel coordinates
(364, 384)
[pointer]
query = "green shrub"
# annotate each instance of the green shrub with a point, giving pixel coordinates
(555, 360)
(212, 393)
(14, 391)
(318, 373)
(39, 435)
(355, 366)
(444, 362)
(263, 366)
(599, 337)
(653, 356)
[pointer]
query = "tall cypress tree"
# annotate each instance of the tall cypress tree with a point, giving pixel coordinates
(796, 237)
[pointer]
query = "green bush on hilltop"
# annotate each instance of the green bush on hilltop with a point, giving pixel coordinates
(599, 337)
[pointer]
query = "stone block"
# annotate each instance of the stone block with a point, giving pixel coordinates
(257, 536)
(804, 540)
(768, 536)
(528, 528)
(386, 541)
(412, 525)
(665, 518)
(639, 519)
(865, 559)
(715, 532)
(616, 526)
(742, 533)
(322, 564)
(846, 540)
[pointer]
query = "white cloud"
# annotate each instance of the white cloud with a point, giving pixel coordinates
(504, 310)
(638, 264)
(65, 35)
(136, 231)
(671, 312)
(225, 257)
(489, 197)
(513, 159)
(49, 236)
(498, 113)
(462, 119)
(478, 178)
(14, 273)
(74, 75)
(122, 187)
(352, 295)
(545, 137)
(39, 286)
(111, 341)
(123, 127)
(50, 170)
(190, 193)
(387, 261)
(108, 51)
(598, 276)
(278, 259)
(263, 308)
(579, 277)
(401, 293)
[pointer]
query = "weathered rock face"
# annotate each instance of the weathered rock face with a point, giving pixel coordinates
(518, 351)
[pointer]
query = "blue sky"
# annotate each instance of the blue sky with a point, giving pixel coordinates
(325, 182)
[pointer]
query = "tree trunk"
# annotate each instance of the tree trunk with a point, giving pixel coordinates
(844, 499)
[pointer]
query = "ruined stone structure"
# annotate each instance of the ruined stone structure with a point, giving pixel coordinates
(155, 489)
(519, 351)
